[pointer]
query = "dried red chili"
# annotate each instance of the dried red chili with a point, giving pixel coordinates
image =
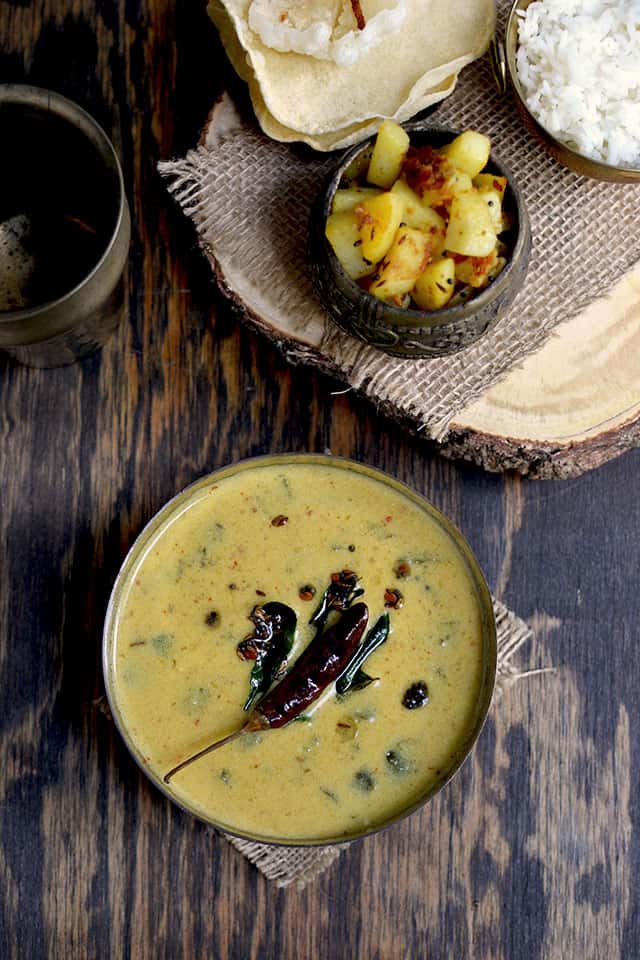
(319, 665)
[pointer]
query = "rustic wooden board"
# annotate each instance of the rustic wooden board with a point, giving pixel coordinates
(566, 409)
(569, 407)
(534, 851)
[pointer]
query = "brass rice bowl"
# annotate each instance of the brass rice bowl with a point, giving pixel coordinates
(585, 166)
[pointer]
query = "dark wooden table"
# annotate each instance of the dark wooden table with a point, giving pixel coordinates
(534, 850)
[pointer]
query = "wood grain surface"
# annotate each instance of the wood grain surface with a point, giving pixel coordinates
(532, 852)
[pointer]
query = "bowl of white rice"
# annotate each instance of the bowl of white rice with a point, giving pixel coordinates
(575, 69)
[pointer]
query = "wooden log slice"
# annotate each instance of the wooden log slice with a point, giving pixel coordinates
(569, 407)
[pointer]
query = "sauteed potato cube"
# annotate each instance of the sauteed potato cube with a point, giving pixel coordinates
(348, 199)
(389, 151)
(421, 222)
(493, 200)
(469, 152)
(478, 272)
(475, 270)
(429, 174)
(459, 182)
(470, 230)
(491, 189)
(341, 231)
(490, 181)
(378, 221)
(403, 264)
(435, 285)
(416, 214)
(435, 179)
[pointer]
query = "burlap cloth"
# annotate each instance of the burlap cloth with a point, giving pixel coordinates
(250, 197)
(299, 865)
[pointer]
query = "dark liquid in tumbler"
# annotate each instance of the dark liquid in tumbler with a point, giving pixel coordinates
(58, 208)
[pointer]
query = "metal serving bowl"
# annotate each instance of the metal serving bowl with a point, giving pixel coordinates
(168, 515)
(412, 332)
(586, 166)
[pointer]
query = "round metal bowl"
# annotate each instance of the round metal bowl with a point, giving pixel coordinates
(564, 154)
(167, 516)
(412, 332)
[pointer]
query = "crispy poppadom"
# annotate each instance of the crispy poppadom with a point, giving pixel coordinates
(336, 139)
(316, 98)
(347, 136)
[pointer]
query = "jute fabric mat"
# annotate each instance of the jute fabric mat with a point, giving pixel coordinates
(250, 200)
(299, 865)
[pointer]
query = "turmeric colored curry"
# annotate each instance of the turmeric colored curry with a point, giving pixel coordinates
(275, 534)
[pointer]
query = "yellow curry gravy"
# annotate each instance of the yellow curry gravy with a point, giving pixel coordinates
(349, 763)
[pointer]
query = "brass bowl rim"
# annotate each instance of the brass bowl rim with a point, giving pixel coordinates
(48, 101)
(160, 520)
(410, 319)
(576, 161)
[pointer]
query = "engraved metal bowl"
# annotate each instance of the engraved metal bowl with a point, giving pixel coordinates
(412, 332)
(564, 154)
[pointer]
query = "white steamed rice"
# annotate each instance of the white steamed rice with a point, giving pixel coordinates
(579, 65)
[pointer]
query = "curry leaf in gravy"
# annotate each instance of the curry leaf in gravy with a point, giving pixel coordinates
(196, 700)
(423, 559)
(216, 532)
(250, 740)
(365, 714)
(363, 780)
(162, 644)
(353, 674)
(287, 486)
(329, 793)
(269, 645)
(181, 567)
(312, 744)
(361, 681)
(398, 762)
